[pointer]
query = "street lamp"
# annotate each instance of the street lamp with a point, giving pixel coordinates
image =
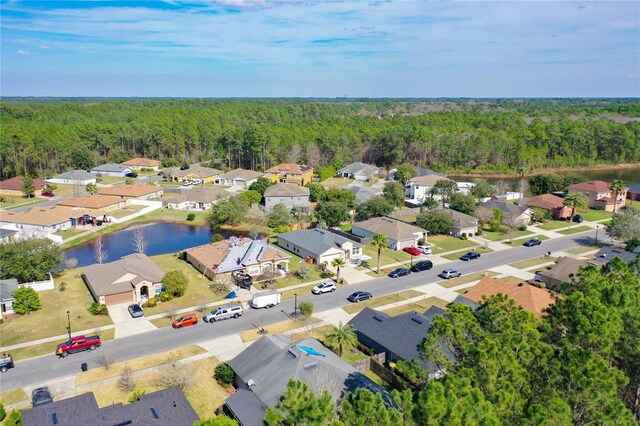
(69, 323)
(597, 226)
(295, 305)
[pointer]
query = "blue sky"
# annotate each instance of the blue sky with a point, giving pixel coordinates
(255, 48)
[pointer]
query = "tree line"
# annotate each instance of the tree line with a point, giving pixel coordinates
(41, 138)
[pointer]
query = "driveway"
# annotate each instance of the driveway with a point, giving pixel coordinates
(125, 325)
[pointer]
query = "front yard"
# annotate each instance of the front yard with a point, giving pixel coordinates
(467, 278)
(503, 234)
(577, 229)
(593, 215)
(336, 182)
(292, 278)
(387, 256)
(9, 201)
(445, 243)
(552, 225)
(528, 263)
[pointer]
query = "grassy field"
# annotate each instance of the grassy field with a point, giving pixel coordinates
(577, 229)
(528, 263)
(9, 201)
(120, 213)
(279, 327)
(521, 241)
(50, 348)
(13, 396)
(464, 279)
(336, 182)
(456, 256)
(51, 318)
(387, 256)
(552, 225)
(420, 306)
(409, 218)
(381, 301)
(445, 243)
(593, 215)
(503, 234)
(581, 249)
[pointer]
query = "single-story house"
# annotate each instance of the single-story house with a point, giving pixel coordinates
(634, 191)
(42, 220)
(599, 195)
(359, 171)
(400, 234)
(238, 177)
(7, 287)
(521, 216)
(417, 189)
(142, 163)
(96, 205)
(288, 194)
(462, 223)
(205, 174)
(364, 193)
(8, 234)
(164, 407)
(397, 336)
(265, 368)
(532, 299)
(237, 254)
(562, 271)
(111, 169)
(290, 173)
(320, 245)
(74, 177)
(14, 186)
(196, 199)
(606, 254)
(133, 192)
(553, 204)
(133, 278)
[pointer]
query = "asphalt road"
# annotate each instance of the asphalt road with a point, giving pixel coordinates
(49, 367)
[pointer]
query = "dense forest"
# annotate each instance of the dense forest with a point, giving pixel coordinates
(42, 137)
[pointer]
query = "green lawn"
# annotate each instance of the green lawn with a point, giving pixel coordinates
(381, 301)
(456, 255)
(528, 263)
(464, 279)
(577, 229)
(109, 180)
(409, 218)
(51, 319)
(300, 291)
(581, 249)
(419, 306)
(68, 233)
(336, 182)
(521, 241)
(13, 396)
(346, 227)
(50, 348)
(9, 201)
(126, 211)
(552, 225)
(387, 256)
(593, 215)
(503, 234)
(292, 279)
(445, 243)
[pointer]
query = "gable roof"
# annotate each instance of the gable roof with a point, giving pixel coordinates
(427, 172)
(364, 193)
(392, 228)
(7, 287)
(142, 162)
(16, 183)
(505, 207)
(461, 220)
(365, 169)
(75, 175)
(205, 195)
(203, 172)
(286, 190)
(91, 201)
(316, 240)
(241, 174)
(111, 167)
(103, 278)
(606, 254)
(563, 269)
(532, 299)
(43, 216)
(287, 168)
(427, 179)
(545, 201)
(592, 186)
(246, 407)
(273, 360)
(400, 334)
(130, 190)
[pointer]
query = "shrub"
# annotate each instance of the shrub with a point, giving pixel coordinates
(135, 396)
(522, 228)
(191, 217)
(479, 232)
(62, 286)
(464, 235)
(151, 303)
(3, 413)
(304, 270)
(282, 229)
(182, 255)
(175, 283)
(306, 308)
(25, 300)
(165, 296)
(422, 242)
(98, 309)
(14, 419)
(217, 237)
(224, 374)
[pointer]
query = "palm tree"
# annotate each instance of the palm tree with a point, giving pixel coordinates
(342, 337)
(380, 241)
(337, 263)
(575, 200)
(617, 186)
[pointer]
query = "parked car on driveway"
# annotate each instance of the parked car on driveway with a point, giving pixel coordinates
(470, 255)
(48, 193)
(425, 249)
(185, 320)
(578, 219)
(184, 167)
(132, 175)
(449, 273)
(400, 272)
(325, 287)
(135, 311)
(532, 242)
(41, 396)
(359, 296)
(423, 265)
(414, 251)
(6, 362)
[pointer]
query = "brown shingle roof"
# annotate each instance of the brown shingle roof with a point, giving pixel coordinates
(130, 190)
(142, 162)
(289, 168)
(43, 216)
(203, 172)
(106, 278)
(15, 184)
(286, 190)
(427, 179)
(592, 186)
(564, 269)
(91, 201)
(532, 299)
(545, 201)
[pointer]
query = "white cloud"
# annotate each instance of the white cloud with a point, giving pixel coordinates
(22, 52)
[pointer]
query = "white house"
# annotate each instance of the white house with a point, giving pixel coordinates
(197, 199)
(74, 177)
(399, 234)
(238, 177)
(320, 245)
(112, 169)
(418, 188)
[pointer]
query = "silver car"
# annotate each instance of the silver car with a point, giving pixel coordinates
(325, 287)
(222, 313)
(449, 273)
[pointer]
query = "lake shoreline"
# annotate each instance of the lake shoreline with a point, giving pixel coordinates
(550, 170)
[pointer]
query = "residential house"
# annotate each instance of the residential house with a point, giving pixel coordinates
(264, 369)
(634, 191)
(96, 205)
(511, 213)
(462, 223)
(14, 186)
(139, 163)
(606, 254)
(364, 193)
(133, 192)
(553, 204)
(359, 171)
(295, 174)
(41, 220)
(133, 278)
(417, 189)
(399, 234)
(532, 299)
(290, 195)
(111, 169)
(562, 271)
(398, 337)
(164, 407)
(74, 177)
(196, 199)
(205, 174)
(320, 245)
(237, 254)
(599, 195)
(428, 172)
(7, 287)
(238, 177)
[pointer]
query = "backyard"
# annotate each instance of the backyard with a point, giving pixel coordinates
(336, 182)
(120, 213)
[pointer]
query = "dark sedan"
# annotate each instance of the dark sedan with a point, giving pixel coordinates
(470, 255)
(359, 296)
(400, 272)
(578, 219)
(135, 311)
(532, 242)
(423, 265)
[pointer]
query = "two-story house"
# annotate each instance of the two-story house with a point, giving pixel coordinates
(290, 195)
(419, 188)
(599, 195)
(290, 173)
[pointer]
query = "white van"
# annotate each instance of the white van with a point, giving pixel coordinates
(265, 299)
(223, 312)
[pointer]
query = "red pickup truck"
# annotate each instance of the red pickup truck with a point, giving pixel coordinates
(78, 344)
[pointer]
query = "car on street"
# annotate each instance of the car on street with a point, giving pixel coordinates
(325, 287)
(414, 251)
(48, 193)
(449, 273)
(184, 167)
(359, 296)
(132, 175)
(223, 312)
(423, 265)
(185, 320)
(41, 396)
(6, 362)
(578, 219)
(532, 242)
(400, 272)
(78, 344)
(135, 311)
(470, 255)
(425, 249)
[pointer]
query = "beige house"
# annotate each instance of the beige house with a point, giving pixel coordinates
(238, 177)
(196, 199)
(599, 195)
(96, 205)
(142, 163)
(320, 245)
(288, 194)
(14, 185)
(133, 192)
(295, 174)
(206, 174)
(134, 278)
(462, 223)
(400, 234)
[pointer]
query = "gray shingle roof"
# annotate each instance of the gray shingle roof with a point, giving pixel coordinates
(394, 229)
(505, 207)
(316, 240)
(206, 195)
(101, 277)
(111, 167)
(606, 254)
(7, 287)
(365, 169)
(286, 190)
(364, 193)
(428, 172)
(75, 175)
(246, 407)
(461, 220)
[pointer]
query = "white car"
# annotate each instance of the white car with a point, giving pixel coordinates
(325, 287)
(424, 249)
(197, 182)
(186, 183)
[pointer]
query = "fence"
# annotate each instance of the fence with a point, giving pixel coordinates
(41, 285)
(375, 363)
(404, 212)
